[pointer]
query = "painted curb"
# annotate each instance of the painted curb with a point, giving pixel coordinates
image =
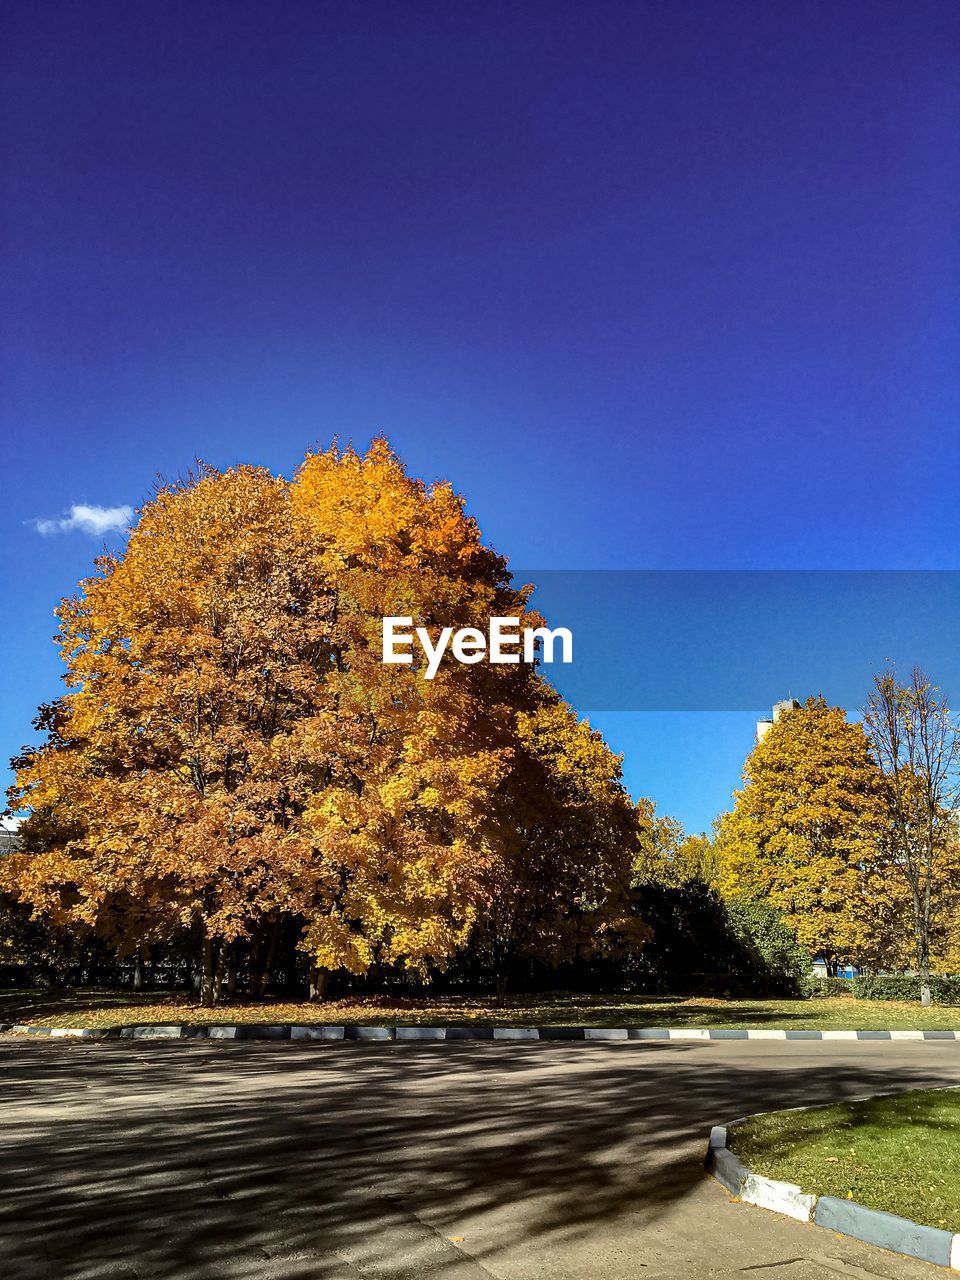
(886, 1230)
(900, 1235)
(753, 1188)
(78, 1033)
(319, 1031)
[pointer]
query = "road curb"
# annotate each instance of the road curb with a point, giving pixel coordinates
(887, 1230)
(319, 1031)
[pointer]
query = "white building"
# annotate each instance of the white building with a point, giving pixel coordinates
(8, 834)
(780, 709)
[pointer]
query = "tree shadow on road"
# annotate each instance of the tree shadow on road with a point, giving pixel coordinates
(195, 1161)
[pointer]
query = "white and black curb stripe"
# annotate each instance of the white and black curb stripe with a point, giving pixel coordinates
(886, 1230)
(286, 1031)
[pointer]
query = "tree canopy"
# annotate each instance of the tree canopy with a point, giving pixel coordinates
(806, 822)
(232, 757)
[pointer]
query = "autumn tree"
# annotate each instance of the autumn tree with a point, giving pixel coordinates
(807, 821)
(231, 754)
(405, 770)
(886, 938)
(666, 855)
(916, 743)
(234, 764)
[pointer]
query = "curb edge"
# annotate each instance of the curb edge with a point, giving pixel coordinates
(362, 1031)
(872, 1226)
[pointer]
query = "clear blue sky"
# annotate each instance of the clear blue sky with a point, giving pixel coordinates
(656, 285)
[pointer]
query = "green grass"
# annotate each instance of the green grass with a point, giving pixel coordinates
(900, 1154)
(102, 1008)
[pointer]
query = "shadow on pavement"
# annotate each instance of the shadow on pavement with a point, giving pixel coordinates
(192, 1160)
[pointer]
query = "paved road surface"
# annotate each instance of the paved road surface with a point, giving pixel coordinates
(557, 1161)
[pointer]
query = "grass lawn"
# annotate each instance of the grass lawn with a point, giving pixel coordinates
(101, 1008)
(901, 1154)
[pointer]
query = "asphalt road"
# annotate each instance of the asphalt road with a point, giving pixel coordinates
(193, 1160)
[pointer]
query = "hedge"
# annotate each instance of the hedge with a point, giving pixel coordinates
(831, 987)
(944, 988)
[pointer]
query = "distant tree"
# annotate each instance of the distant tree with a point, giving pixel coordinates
(771, 953)
(658, 839)
(703, 944)
(665, 855)
(916, 743)
(701, 941)
(804, 826)
(44, 953)
(887, 939)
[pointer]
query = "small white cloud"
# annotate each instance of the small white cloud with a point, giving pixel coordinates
(87, 519)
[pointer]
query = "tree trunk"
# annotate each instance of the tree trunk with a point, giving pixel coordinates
(923, 970)
(921, 934)
(219, 972)
(502, 978)
(232, 977)
(319, 982)
(255, 964)
(207, 981)
(263, 977)
(138, 970)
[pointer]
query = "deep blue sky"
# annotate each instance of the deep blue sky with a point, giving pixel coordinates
(654, 284)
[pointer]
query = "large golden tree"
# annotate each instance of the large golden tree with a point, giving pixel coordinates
(233, 759)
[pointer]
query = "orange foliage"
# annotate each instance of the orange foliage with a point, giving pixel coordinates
(232, 751)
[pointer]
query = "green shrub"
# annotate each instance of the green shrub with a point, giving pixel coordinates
(780, 964)
(831, 987)
(706, 946)
(944, 988)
